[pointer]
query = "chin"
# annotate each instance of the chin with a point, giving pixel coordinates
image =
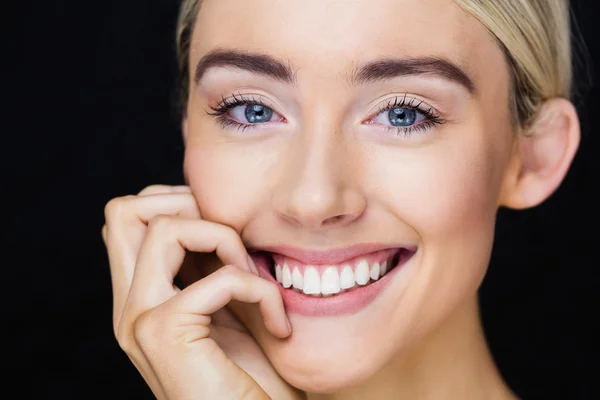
(329, 364)
(339, 339)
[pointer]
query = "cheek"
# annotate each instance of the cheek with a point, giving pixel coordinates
(447, 195)
(454, 208)
(227, 181)
(453, 195)
(443, 191)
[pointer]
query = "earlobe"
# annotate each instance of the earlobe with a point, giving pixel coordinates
(543, 155)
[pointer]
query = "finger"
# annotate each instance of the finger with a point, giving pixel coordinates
(163, 189)
(188, 313)
(154, 190)
(126, 224)
(214, 292)
(163, 252)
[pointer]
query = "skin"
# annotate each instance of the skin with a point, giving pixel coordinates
(322, 178)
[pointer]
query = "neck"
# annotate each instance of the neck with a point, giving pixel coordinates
(453, 362)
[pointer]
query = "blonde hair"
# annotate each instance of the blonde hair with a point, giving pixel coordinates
(533, 34)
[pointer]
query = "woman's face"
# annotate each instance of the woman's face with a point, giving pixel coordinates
(361, 124)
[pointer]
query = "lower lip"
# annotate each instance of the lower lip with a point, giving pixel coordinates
(340, 304)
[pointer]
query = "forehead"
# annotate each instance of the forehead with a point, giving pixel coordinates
(328, 37)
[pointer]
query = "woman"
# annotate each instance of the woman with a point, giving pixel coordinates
(345, 162)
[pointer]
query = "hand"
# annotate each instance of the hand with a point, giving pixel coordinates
(171, 335)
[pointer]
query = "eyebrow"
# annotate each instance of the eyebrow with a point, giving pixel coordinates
(378, 70)
(389, 68)
(261, 64)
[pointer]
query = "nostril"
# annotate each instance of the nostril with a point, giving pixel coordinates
(332, 220)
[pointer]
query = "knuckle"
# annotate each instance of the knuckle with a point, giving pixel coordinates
(229, 271)
(230, 238)
(154, 188)
(160, 223)
(233, 275)
(124, 340)
(144, 328)
(116, 208)
(231, 234)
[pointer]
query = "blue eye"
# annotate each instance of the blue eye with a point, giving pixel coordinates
(252, 113)
(404, 117)
(243, 112)
(401, 116)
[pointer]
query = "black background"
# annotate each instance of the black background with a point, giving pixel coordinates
(88, 90)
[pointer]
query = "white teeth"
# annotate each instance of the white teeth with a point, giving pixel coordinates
(297, 279)
(347, 277)
(330, 281)
(312, 281)
(375, 271)
(361, 274)
(286, 276)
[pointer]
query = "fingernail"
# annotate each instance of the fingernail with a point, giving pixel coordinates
(252, 266)
(181, 189)
(289, 325)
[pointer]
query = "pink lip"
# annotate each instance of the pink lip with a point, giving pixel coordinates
(334, 256)
(340, 304)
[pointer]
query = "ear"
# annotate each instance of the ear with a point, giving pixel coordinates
(542, 156)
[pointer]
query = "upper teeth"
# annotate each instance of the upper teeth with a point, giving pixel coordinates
(332, 279)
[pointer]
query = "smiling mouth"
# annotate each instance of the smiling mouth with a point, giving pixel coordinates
(331, 280)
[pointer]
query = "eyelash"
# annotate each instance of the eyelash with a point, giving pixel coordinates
(225, 105)
(431, 118)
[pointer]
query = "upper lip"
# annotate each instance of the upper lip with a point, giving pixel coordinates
(330, 256)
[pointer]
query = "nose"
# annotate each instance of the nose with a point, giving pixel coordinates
(319, 185)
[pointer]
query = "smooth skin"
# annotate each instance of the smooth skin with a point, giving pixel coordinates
(327, 173)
